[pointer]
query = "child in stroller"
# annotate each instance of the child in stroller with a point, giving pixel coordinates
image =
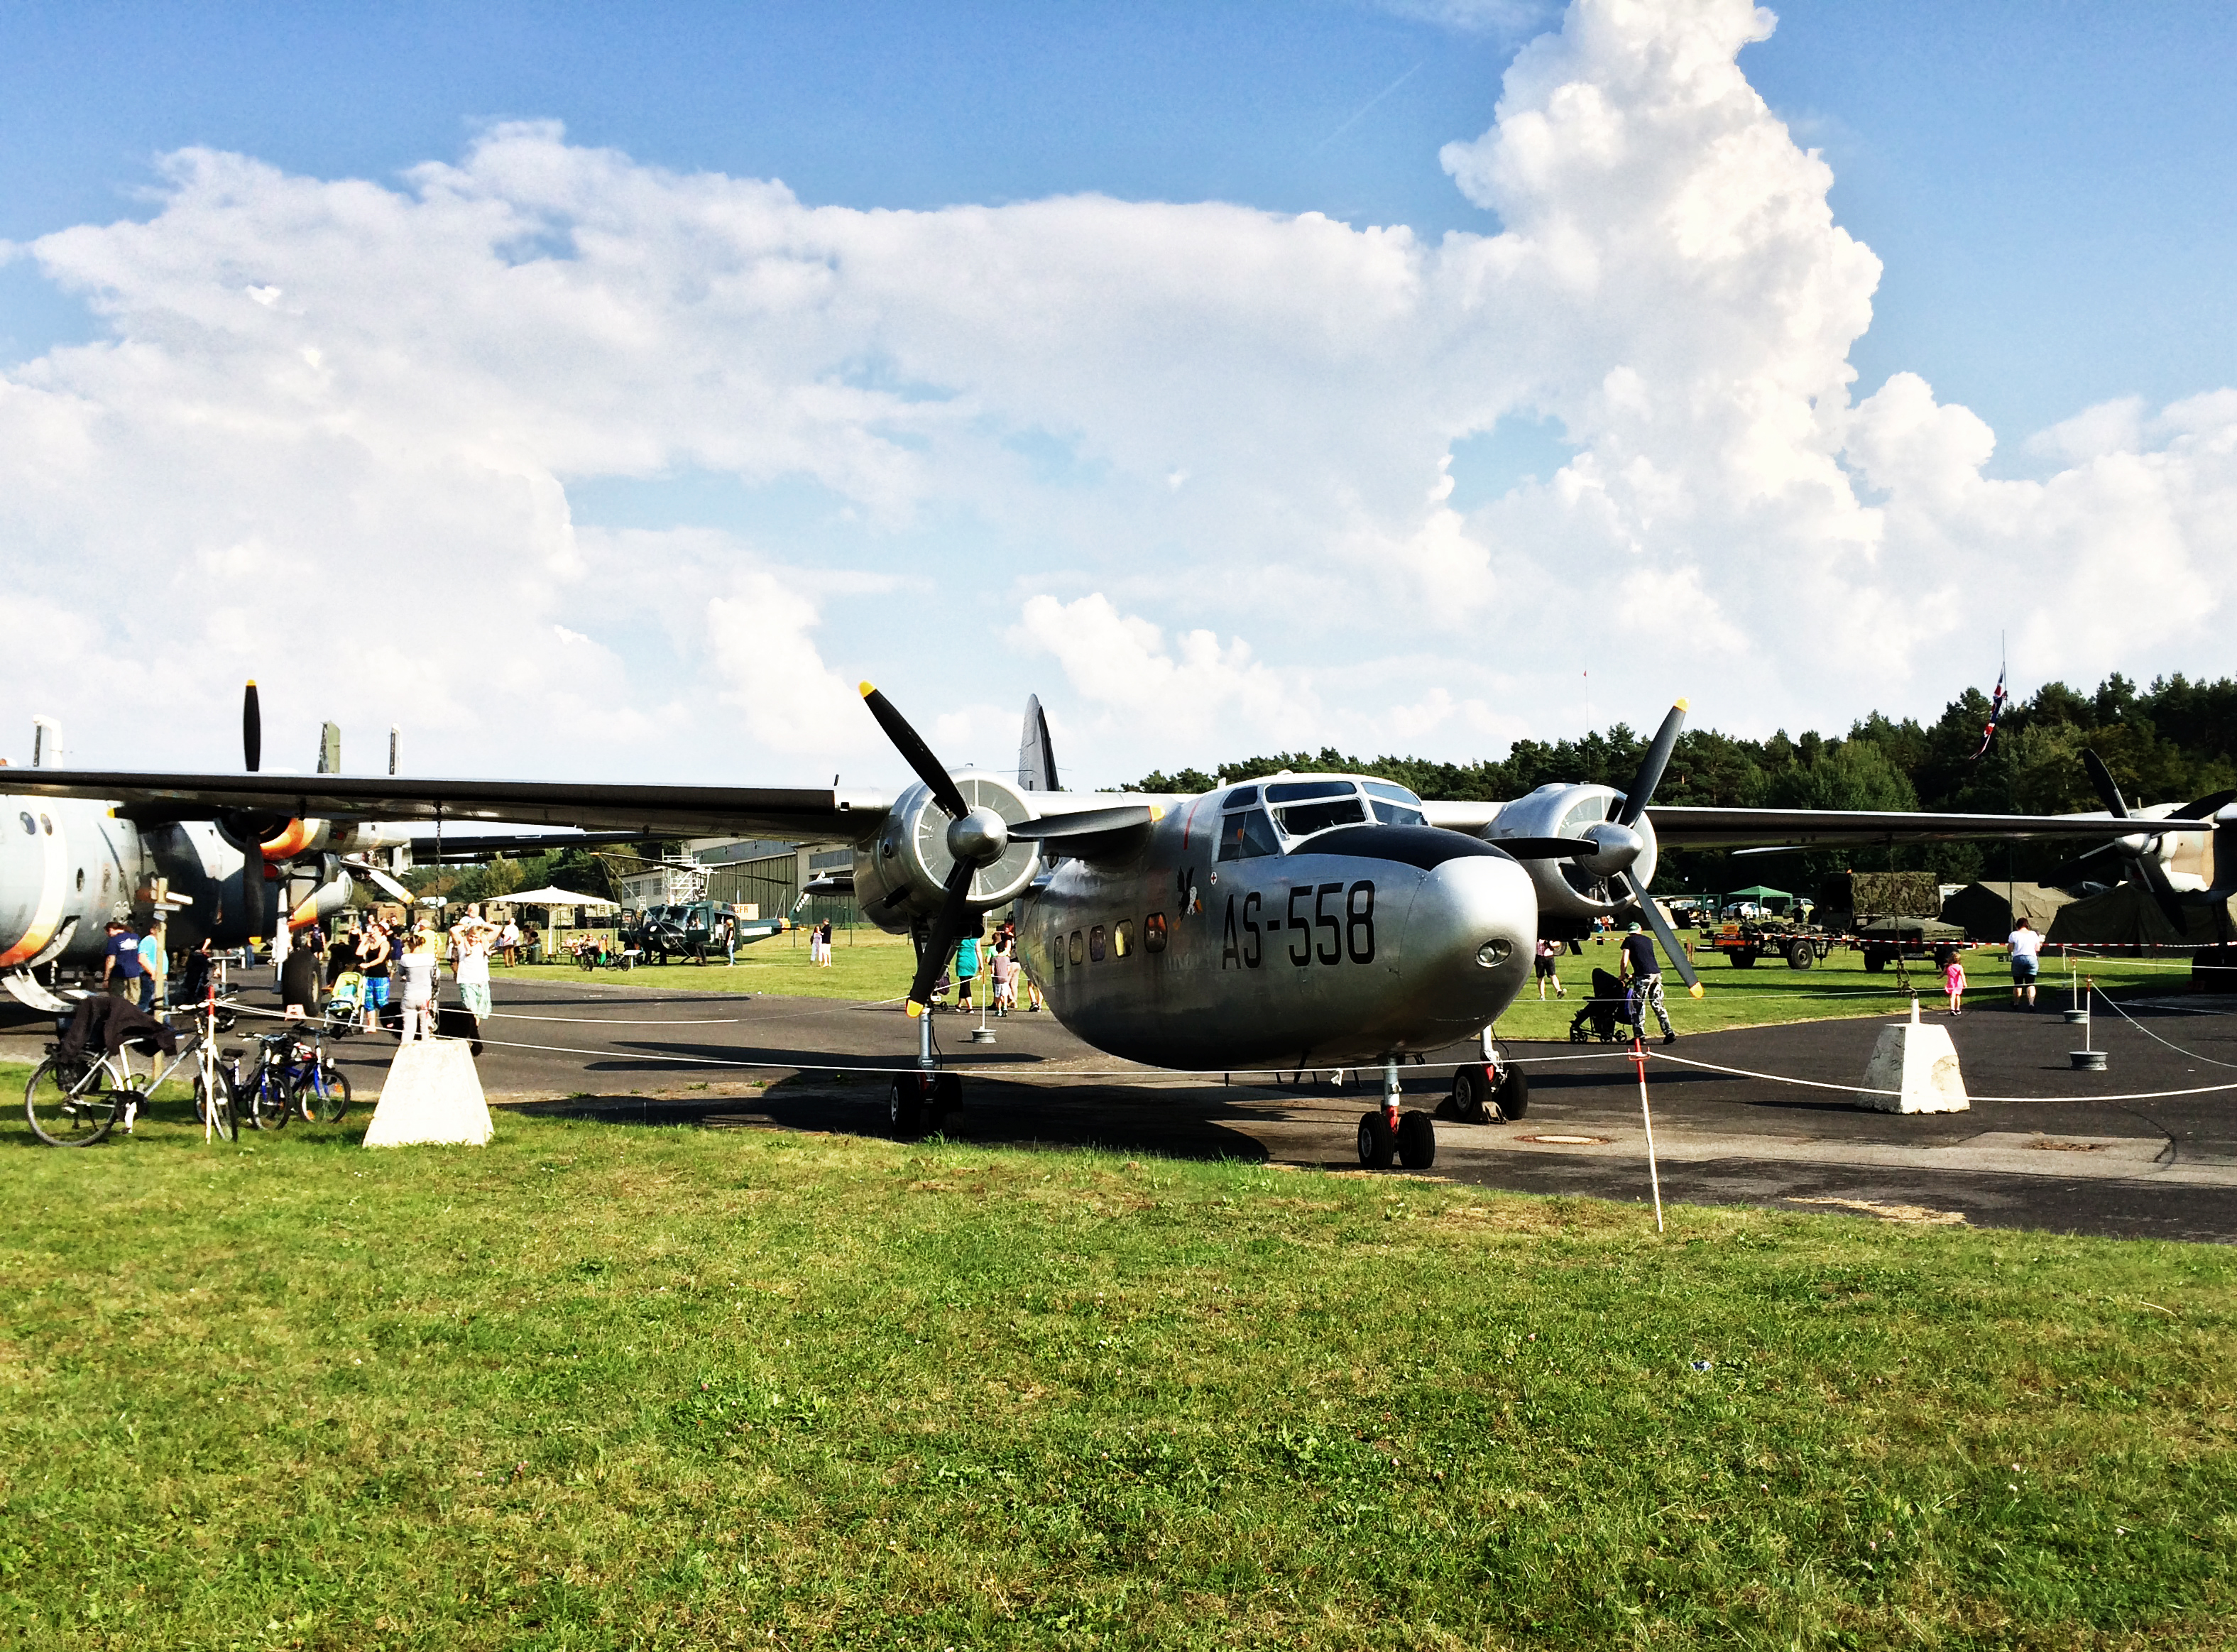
(345, 1003)
(1608, 1008)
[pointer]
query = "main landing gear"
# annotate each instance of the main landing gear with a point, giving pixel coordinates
(1411, 1138)
(1484, 1094)
(920, 1100)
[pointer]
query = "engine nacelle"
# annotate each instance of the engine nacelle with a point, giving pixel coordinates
(1572, 894)
(322, 903)
(901, 875)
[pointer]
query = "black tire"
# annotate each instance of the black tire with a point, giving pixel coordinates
(70, 1105)
(947, 1098)
(1577, 1035)
(228, 1123)
(1744, 958)
(1512, 1098)
(1875, 960)
(271, 1100)
(1377, 1143)
(327, 1099)
(1417, 1141)
(1800, 955)
(1471, 1098)
(904, 1107)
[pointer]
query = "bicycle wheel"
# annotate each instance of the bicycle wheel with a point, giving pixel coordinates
(328, 1091)
(270, 1100)
(228, 1123)
(71, 1104)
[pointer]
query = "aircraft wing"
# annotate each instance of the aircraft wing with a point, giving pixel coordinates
(809, 816)
(1679, 826)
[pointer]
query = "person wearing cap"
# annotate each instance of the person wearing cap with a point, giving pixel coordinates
(1641, 968)
(120, 961)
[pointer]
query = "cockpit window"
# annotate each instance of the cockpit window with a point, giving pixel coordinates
(1314, 805)
(1301, 820)
(1246, 835)
(1394, 805)
(1241, 796)
(1292, 791)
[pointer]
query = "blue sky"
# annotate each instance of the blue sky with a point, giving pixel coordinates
(2047, 188)
(2053, 187)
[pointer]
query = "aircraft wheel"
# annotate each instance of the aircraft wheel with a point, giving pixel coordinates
(1377, 1143)
(1417, 1141)
(1512, 1098)
(904, 1107)
(1471, 1095)
(947, 1098)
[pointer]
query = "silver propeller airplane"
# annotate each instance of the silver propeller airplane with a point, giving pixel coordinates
(1286, 921)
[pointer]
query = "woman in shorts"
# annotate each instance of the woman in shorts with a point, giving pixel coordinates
(1548, 951)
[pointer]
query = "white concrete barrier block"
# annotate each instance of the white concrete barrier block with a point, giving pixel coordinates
(1918, 1063)
(432, 1097)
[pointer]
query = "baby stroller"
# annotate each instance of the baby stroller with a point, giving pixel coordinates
(1608, 1008)
(345, 1003)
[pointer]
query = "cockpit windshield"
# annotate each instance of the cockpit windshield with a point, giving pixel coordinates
(1394, 805)
(1304, 807)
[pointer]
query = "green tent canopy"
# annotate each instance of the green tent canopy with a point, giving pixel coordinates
(1758, 893)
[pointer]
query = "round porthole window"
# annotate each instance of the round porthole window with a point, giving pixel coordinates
(47, 826)
(30, 826)
(81, 877)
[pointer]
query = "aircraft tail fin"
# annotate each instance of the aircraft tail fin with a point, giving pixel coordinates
(1036, 761)
(330, 748)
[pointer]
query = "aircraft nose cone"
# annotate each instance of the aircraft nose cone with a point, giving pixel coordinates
(1468, 942)
(980, 837)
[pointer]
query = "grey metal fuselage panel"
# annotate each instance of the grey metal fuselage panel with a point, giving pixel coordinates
(1360, 943)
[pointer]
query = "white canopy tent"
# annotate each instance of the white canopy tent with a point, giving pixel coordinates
(552, 897)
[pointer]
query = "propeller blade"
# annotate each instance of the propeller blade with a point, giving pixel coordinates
(252, 730)
(366, 869)
(1671, 948)
(915, 753)
(2077, 869)
(1651, 767)
(1544, 849)
(2152, 876)
(2101, 777)
(2205, 808)
(1088, 822)
(940, 939)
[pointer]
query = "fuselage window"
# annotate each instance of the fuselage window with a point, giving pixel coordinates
(81, 877)
(1153, 933)
(1122, 939)
(1095, 944)
(1078, 950)
(1394, 805)
(1056, 951)
(30, 826)
(48, 825)
(1246, 835)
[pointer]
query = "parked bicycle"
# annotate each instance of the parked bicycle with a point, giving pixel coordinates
(293, 1075)
(73, 1102)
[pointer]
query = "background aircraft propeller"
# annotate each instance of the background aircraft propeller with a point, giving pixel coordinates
(252, 730)
(2139, 856)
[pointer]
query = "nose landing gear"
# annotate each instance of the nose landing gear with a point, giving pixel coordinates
(921, 1099)
(1485, 1094)
(1385, 1132)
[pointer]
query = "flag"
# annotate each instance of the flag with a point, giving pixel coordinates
(1995, 711)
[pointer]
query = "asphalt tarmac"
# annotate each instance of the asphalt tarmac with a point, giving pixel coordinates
(2067, 1151)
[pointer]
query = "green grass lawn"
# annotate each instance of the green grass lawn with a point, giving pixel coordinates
(598, 1386)
(872, 966)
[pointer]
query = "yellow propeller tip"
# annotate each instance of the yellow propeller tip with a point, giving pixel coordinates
(915, 1009)
(1156, 811)
(252, 682)
(868, 689)
(1684, 705)
(1697, 990)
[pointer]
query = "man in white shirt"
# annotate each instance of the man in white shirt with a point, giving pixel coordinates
(2024, 944)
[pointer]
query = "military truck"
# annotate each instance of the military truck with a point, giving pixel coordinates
(1745, 939)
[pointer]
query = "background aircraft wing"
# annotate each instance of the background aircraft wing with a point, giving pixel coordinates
(817, 814)
(1680, 827)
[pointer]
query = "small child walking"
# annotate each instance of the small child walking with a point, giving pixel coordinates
(1953, 982)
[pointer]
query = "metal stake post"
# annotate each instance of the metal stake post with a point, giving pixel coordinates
(1653, 1175)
